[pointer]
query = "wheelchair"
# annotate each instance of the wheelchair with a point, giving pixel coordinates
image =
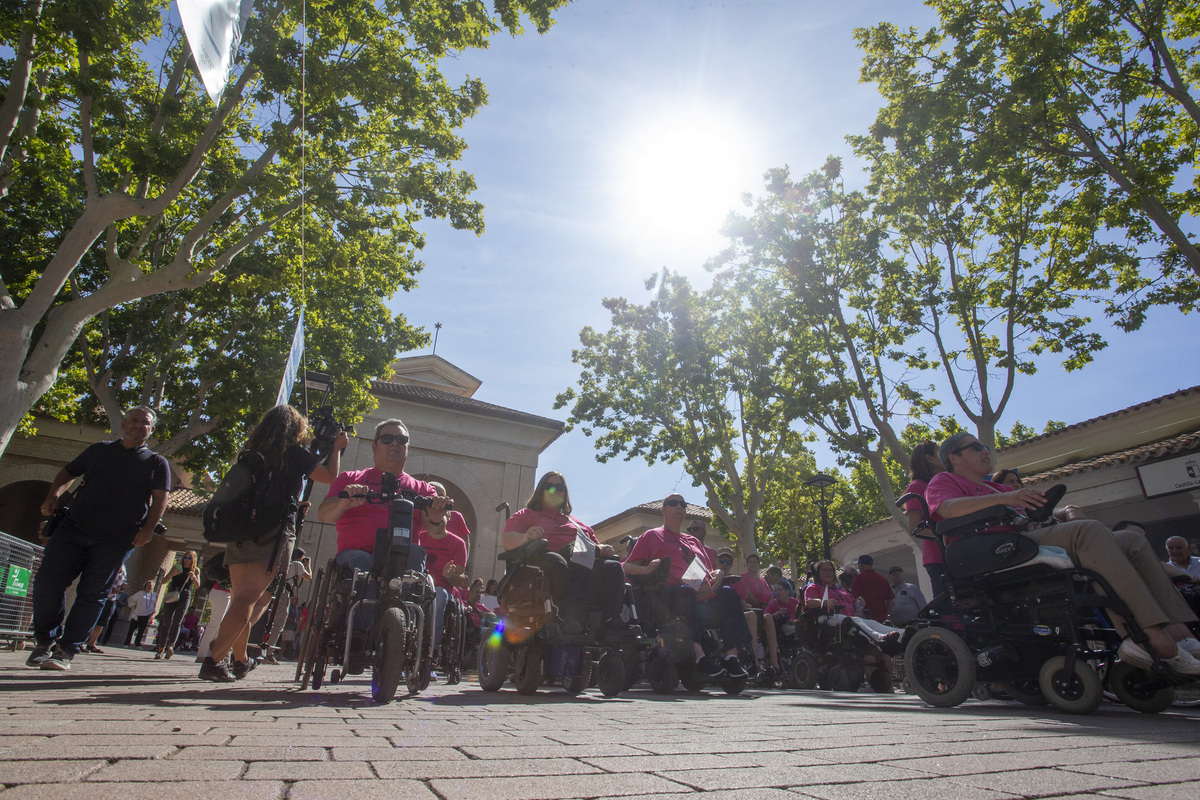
(529, 645)
(833, 658)
(397, 644)
(669, 660)
(1024, 617)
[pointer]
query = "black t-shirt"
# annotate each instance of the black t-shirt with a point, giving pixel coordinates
(117, 485)
(298, 462)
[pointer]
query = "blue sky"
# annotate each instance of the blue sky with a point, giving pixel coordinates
(612, 147)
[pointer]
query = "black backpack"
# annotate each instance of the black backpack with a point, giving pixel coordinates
(251, 502)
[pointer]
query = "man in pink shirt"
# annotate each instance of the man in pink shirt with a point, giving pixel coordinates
(682, 549)
(755, 594)
(445, 557)
(357, 520)
(1124, 559)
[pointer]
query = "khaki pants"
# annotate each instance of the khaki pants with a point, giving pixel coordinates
(1126, 560)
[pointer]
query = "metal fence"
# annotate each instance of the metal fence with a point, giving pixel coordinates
(19, 561)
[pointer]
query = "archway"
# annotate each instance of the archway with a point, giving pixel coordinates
(20, 509)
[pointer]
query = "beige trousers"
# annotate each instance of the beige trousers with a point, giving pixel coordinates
(1126, 560)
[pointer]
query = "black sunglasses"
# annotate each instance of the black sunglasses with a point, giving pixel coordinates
(388, 438)
(561, 488)
(976, 446)
(695, 528)
(724, 560)
(675, 503)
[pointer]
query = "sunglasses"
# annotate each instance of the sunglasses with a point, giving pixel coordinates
(695, 529)
(724, 560)
(388, 438)
(675, 503)
(556, 487)
(978, 447)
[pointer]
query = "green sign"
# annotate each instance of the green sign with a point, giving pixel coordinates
(18, 582)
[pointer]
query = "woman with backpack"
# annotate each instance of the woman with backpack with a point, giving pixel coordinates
(280, 440)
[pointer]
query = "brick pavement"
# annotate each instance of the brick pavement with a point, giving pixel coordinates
(121, 725)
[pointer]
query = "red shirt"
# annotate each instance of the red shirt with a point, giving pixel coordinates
(457, 525)
(930, 554)
(876, 592)
(439, 552)
(681, 548)
(558, 528)
(356, 528)
(948, 486)
(790, 605)
(751, 585)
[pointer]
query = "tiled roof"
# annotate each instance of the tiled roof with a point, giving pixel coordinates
(1111, 415)
(185, 502)
(655, 507)
(436, 397)
(1183, 443)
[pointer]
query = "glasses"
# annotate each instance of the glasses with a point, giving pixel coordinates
(696, 529)
(675, 503)
(388, 438)
(978, 447)
(561, 488)
(724, 560)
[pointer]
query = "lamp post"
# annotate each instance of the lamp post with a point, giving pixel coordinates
(822, 482)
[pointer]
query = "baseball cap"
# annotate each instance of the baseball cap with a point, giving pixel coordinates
(725, 551)
(895, 569)
(865, 559)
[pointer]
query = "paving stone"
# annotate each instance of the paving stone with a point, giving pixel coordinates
(307, 770)
(1169, 791)
(360, 790)
(50, 750)
(297, 753)
(553, 788)
(422, 770)
(783, 777)
(217, 790)
(355, 753)
(48, 771)
(1174, 769)
(920, 789)
(175, 770)
(1044, 782)
(551, 751)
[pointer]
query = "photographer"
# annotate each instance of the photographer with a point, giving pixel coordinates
(357, 520)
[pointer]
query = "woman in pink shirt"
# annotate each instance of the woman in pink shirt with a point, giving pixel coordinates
(826, 593)
(547, 515)
(923, 465)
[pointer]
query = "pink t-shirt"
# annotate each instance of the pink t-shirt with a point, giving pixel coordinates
(457, 525)
(558, 528)
(790, 605)
(842, 598)
(681, 548)
(356, 528)
(930, 554)
(948, 486)
(439, 552)
(751, 585)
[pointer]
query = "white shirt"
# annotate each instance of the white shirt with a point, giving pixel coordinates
(1192, 568)
(144, 603)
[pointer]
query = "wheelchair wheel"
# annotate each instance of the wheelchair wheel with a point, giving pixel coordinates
(493, 663)
(610, 673)
(661, 673)
(1140, 690)
(527, 673)
(630, 657)
(315, 633)
(389, 659)
(1077, 693)
(576, 684)
(805, 671)
(845, 679)
(940, 667)
(880, 682)
(733, 686)
(692, 678)
(1026, 692)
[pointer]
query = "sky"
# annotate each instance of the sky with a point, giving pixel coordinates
(614, 146)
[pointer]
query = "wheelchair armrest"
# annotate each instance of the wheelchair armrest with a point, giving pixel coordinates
(730, 580)
(529, 550)
(975, 521)
(1053, 495)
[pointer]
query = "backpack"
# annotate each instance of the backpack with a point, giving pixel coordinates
(251, 502)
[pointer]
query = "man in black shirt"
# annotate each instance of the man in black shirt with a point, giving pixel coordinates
(122, 499)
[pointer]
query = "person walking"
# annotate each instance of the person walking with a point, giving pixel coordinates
(183, 578)
(142, 606)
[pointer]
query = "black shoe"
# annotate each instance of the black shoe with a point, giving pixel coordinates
(212, 671)
(241, 669)
(710, 667)
(734, 668)
(59, 659)
(269, 658)
(40, 653)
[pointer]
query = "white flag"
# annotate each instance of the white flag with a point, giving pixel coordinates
(293, 363)
(214, 31)
(695, 575)
(585, 549)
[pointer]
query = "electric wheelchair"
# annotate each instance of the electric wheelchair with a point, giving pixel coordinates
(380, 618)
(814, 654)
(530, 645)
(1024, 617)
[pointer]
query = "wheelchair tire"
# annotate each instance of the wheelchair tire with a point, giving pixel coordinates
(881, 682)
(733, 686)
(577, 683)
(662, 674)
(527, 672)
(805, 671)
(610, 673)
(630, 657)
(1026, 692)
(693, 680)
(940, 666)
(311, 641)
(494, 656)
(389, 660)
(335, 677)
(1080, 693)
(845, 679)
(1140, 690)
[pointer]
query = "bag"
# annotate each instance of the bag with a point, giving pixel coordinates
(250, 502)
(50, 525)
(171, 597)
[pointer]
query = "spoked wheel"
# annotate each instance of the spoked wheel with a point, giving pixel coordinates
(1078, 692)
(315, 632)
(805, 671)
(1140, 690)
(493, 663)
(527, 673)
(940, 667)
(1026, 692)
(661, 673)
(389, 658)
(611, 673)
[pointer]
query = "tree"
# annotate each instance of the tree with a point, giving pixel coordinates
(693, 377)
(105, 131)
(1102, 92)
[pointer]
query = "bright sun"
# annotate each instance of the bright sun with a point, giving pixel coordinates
(679, 174)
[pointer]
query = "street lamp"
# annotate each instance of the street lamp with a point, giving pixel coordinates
(822, 482)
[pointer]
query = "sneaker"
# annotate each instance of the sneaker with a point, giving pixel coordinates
(1190, 644)
(59, 659)
(241, 669)
(710, 667)
(734, 668)
(212, 671)
(1184, 663)
(40, 653)
(1134, 654)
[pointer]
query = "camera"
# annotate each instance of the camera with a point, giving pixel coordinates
(325, 429)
